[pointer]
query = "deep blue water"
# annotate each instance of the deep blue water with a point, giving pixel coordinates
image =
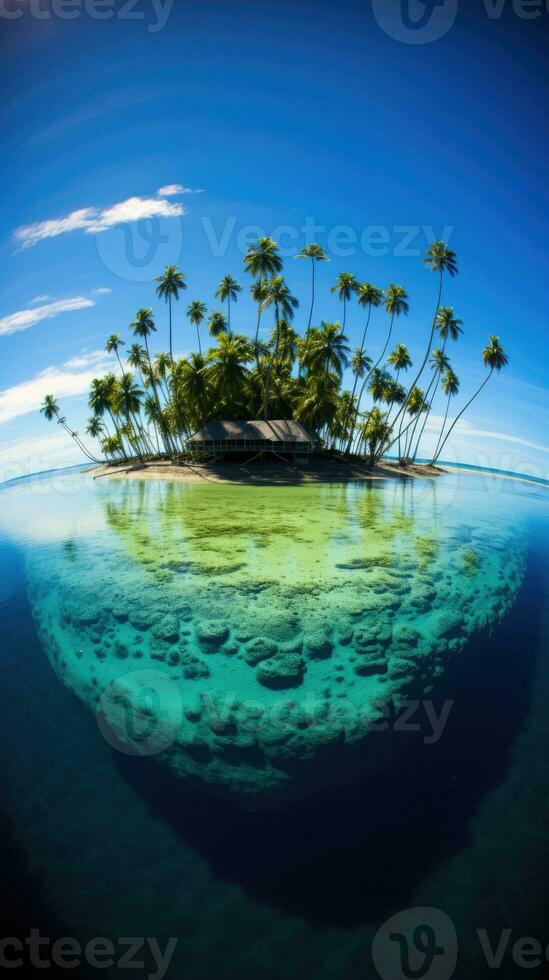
(97, 843)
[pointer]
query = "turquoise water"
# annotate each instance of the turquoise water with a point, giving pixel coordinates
(204, 683)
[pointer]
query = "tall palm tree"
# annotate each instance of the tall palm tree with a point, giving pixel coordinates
(196, 311)
(227, 371)
(316, 254)
(328, 350)
(396, 303)
(143, 326)
(262, 260)
(345, 285)
(130, 398)
(374, 433)
(100, 401)
(217, 323)
(279, 296)
(495, 358)
(400, 360)
(440, 259)
(192, 392)
(169, 285)
(114, 343)
(50, 410)
(450, 387)
(439, 363)
(317, 402)
(259, 292)
(371, 297)
(228, 290)
(360, 365)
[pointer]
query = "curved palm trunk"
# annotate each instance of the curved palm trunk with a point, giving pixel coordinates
(368, 376)
(199, 344)
(437, 378)
(312, 297)
(425, 359)
(119, 434)
(457, 418)
(367, 324)
(448, 397)
(119, 362)
(170, 314)
(165, 439)
(270, 368)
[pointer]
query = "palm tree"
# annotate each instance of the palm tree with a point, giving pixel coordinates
(400, 359)
(374, 433)
(439, 363)
(191, 390)
(113, 344)
(262, 260)
(196, 312)
(396, 304)
(345, 285)
(279, 296)
(493, 357)
(169, 284)
(450, 387)
(95, 427)
(328, 349)
(360, 365)
(130, 397)
(227, 371)
(316, 254)
(370, 296)
(217, 323)
(259, 292)
(50, 410)
(228, 290)
(317, 402)
(448, 324)
(142, 326)
(440, 259)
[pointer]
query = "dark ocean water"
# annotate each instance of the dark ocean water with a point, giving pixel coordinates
(100, 843)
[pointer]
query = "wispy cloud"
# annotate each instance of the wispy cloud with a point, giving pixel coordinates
(93, 220)
(176, 190)
(101, 291)
(67, 380)
(24, 319)
(464, 429)
(40, 299)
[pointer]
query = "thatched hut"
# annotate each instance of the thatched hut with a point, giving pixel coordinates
(282, 438)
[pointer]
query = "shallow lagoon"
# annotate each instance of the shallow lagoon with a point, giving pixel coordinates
(338, 578)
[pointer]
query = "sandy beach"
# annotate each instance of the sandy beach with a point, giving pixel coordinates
(321, 471)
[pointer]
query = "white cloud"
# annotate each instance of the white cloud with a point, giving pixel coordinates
(24, 319)
(101, 291)
(40, 299)
(175, 190)
(65, 381)
(95, 220)
(464, 429)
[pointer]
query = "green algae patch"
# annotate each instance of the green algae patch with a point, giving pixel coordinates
(249, 637)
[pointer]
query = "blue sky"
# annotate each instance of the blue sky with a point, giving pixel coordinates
(272, 117)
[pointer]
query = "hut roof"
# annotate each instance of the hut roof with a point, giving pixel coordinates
(275, 430)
